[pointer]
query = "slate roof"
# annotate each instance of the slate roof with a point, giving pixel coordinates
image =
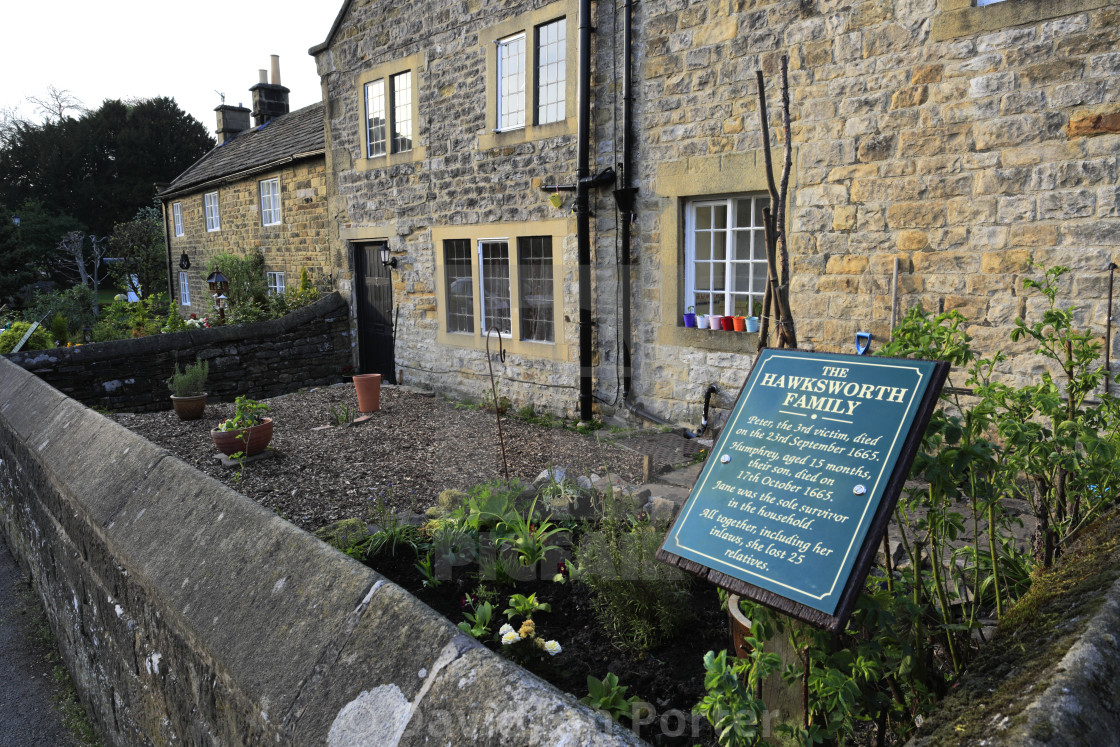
(294, 136)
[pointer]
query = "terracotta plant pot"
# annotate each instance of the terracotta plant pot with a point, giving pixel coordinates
(740, 323)
(248, 440)
(189, 408)
(727, 323)
(368, 387)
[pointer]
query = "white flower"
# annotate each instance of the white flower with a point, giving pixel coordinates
(505, 629)
(510, 637)
(552, 647)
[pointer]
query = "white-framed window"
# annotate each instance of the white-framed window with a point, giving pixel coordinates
(177, 216)
(551, 44)
(725, 255)
(457, 262)
(402, 111)
(981, 3)
(270, 202)
(184, 289)
(389, 115)
(375, 118)
(275, 283)
(210, 207)
(493, 276)
(511, 82)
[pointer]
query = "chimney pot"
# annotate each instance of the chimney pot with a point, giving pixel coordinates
(270, 100)
(263, 76)
(275, 69)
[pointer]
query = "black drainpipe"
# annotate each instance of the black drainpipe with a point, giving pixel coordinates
(583, 212)
(172, 288)
(625, 196)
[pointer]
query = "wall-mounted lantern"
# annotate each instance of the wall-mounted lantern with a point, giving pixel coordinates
(184, 262)
(386, 259)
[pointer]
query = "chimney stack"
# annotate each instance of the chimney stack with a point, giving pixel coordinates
(270, 100)
(231, 121)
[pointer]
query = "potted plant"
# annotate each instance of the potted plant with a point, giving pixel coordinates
(187, 386)
(690, 317)
(752, 324)
(248, 431)
(740, 323)
(715, 321)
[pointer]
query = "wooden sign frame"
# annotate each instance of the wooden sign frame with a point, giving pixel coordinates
(861, 566)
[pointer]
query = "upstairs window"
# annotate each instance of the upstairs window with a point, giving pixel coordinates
(511, 82)
(375, 118)
(389, 115)
(270, 202)
(210, 207)
(725, 255)
(551, 64)
(275, 283)
(177, 215)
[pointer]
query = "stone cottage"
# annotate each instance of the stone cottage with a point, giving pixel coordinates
(263, 188)
(570, 177)
(576, 175)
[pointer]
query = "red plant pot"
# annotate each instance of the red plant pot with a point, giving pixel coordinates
(728, 323)
(368, 387)
(248, 440)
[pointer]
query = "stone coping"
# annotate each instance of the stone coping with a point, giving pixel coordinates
(188, 612)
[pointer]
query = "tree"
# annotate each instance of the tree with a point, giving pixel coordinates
(81, 266)
(55, 104)
(100, 167)
(17, 267)
(138, 254)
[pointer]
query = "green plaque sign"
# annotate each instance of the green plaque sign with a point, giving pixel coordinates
(794, 498)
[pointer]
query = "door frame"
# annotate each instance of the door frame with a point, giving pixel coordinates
(358, 263)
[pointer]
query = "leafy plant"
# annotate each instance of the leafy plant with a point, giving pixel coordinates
(246, 414)
(525, 606)
(526, 535)
(190, 381)
(730, 704)
(478, 621)
(609, 696)
(40, 339)
(638, 600)
(426, 566)
(341, 415)
(60, 329)
(391, 530)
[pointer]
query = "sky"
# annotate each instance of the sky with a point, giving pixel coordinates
(138, 49)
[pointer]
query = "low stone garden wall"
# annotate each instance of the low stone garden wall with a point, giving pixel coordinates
(307, 347)
(189, 614)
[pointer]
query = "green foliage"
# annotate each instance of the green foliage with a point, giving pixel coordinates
(478, 620)
(139, 247)
(40, 339)
(190, 381)
(75, 304)
(640, 601)
(174, 322)
(26, 250)
(341, 415)
(427, 568)
(390, 531)
(525, 606)
(248, 292)
(246, 414)
(526, 534)
(730, 704)
(99, 166)
(610, 697)
(60, 329)
(124, 319)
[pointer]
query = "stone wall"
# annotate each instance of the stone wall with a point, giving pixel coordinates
(966, 143)
(307, 347)
(188, 614)
(299, 241)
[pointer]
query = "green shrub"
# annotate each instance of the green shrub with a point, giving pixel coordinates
(39, 340)
(60, 329)
(190, 381)
(640, 601)
(75, 304)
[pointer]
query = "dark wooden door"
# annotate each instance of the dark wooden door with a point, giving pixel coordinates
(374, 286)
